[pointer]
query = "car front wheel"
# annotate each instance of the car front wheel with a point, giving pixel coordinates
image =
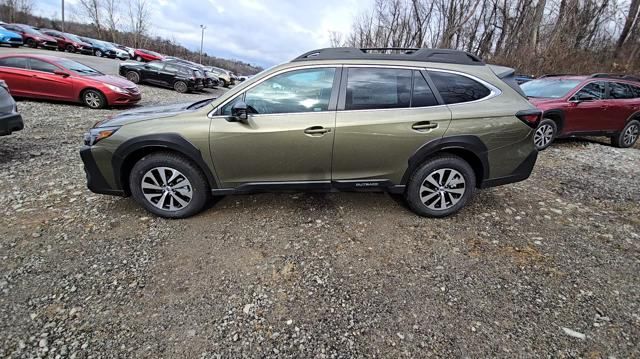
(628, 136)
(133, 77)
(169, 185)
(441, 186)
(94, 99)
(98, 53)
(545, 134)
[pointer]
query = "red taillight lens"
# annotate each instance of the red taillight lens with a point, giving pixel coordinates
(530, 118)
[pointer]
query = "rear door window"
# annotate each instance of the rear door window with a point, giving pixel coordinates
(15, 62)
(455, 88)
(619, 91)
(378, 88)
(422, 94)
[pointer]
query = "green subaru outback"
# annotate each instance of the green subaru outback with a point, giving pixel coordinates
(431, 125)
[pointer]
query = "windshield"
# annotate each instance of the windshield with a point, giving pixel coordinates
(78, 68)
(30, 30)
(73, 37)
(549, 88)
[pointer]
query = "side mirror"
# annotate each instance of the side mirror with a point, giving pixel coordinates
(239, 112)
(61, 73)
(582, 97)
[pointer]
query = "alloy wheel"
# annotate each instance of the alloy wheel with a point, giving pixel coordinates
(543, 136)
(167, 189)
(442, 189)
(92, 99)
(631, 135)
(133, 77)
(180, 87)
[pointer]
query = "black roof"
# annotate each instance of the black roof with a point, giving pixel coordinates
(392, 53)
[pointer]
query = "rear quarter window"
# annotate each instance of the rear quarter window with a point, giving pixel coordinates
(456, 88)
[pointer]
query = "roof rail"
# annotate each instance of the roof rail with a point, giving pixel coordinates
(616, 76)
(384, 53)
(555, 75)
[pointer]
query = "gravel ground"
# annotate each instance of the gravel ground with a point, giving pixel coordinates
(543, 268)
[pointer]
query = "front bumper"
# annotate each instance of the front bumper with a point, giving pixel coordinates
(48, 44)
(13, 41)
(11, 123)
(95, 180)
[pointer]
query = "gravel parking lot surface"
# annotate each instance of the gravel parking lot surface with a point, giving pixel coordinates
(545, 267)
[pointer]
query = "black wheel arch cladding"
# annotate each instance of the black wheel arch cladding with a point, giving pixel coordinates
(167, 141)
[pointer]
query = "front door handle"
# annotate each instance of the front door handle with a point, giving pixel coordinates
(316, 130)
(421, 126)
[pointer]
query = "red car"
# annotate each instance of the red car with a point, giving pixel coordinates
(54, 78)
(142, 55)
(32, 37)
(69, 42)
(597, 105)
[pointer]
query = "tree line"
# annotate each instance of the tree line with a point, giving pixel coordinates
(533, 36)
(126, 22)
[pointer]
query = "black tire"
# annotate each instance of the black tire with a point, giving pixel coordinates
(70, 48)
(628, 136)
(454, 169)
(545, 134)
(198, 185)
(31, 43)
(15, 46)
(224, 83)
(98, 53)
(133, 77)
(181, 86)
(94, 99)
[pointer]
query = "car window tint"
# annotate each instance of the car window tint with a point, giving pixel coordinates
(620, 91)
(296, 91)
(378, 88)
(593, 90)
(635, 90)
(16, 62)
(156, 65)
(456, 88)
(422, 94)
(171, 68)
(39, 65)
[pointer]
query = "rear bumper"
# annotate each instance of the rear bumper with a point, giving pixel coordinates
(10, 123)
(521, 173)
(95, 180)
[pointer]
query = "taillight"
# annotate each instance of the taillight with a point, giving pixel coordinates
(530, 117)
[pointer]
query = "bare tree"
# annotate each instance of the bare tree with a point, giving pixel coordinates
(112, 12)
(92, 9)
(17, 10)
(139, 20)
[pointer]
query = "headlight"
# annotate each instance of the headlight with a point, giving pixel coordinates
(95, 135)
(116, 88)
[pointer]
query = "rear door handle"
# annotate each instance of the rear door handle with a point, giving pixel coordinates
(421, 126)
(316, 130)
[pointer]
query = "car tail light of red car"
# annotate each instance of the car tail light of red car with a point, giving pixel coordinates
(530, 117)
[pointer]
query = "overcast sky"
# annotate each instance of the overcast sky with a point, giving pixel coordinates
(262, 32)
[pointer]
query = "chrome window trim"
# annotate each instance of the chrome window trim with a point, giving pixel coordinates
(494, 91)
(279, 72)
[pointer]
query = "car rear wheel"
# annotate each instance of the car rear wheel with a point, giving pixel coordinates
(98, 53)
(70, 48)
(545, 134)
(441, 186)
(94, 99)
(628, 136)
(32, 43)
(133, 77)
(180, 86)
(169, 185)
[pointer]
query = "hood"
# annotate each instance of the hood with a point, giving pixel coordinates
(45, 37)
(147, 113)
(8, 33)
(542, 102)
(111, 80)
